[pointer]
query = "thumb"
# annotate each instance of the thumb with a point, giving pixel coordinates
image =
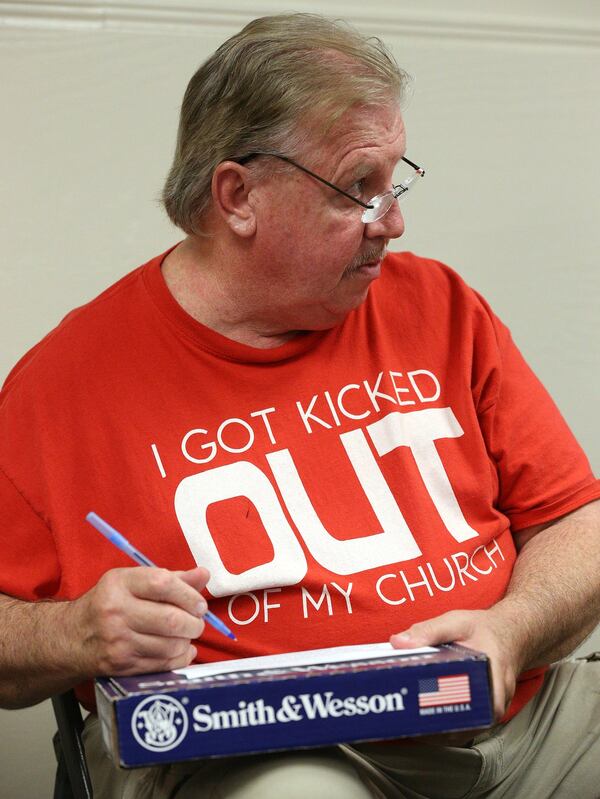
(444, 629)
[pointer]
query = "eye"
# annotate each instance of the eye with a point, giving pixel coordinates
(357, 188)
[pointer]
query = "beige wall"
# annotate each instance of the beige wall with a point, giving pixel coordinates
(504, 115)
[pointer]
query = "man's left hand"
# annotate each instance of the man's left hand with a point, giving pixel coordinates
(477, 629)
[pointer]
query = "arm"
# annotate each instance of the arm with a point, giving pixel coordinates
(551, 605)
(132, 621)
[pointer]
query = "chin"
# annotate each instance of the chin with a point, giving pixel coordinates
(352, 301)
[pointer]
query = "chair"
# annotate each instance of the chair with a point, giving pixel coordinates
(72, 776)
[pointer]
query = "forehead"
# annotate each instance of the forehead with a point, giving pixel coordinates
(366, 133)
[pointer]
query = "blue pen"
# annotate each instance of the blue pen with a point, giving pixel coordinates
(123, 544)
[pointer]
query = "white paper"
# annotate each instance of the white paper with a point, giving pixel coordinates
(309, 657)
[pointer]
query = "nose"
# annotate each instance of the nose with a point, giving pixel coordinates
(390, 226)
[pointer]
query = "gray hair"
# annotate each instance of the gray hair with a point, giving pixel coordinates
(259, 92)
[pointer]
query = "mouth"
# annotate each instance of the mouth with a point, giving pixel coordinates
(368, 266)
(370, 269)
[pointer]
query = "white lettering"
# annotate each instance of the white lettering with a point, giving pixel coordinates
(307, 706)
(316, 704)
(263, 416)
(266, 606)
(386, 599)
(463, 569)
(392, 543)
(398, 390)
(353, 555)
(211, 447)
(158, 460)
(494, 548)
(374, 392)
(325, 596)
(474, 565)
(345, 594)
(336, 418)
(250, 619)
(418, 430)
(308, 414)
(424, 582)
(377, 704)
(345, 411)
(435, 580)
(251, 714)
(202, 718)
(413, 382)
(426, 576)
(247, 428)
(192, 498)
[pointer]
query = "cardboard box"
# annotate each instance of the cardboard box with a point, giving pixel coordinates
(305, 699)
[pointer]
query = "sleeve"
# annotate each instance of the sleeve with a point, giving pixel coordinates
(543, 472)
(29, 566)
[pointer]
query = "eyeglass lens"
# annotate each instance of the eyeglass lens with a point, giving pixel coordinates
(382, 203)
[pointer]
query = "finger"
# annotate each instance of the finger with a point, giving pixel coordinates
(449, 627)
(171, 663)
(503, 688)
(161, 585)
(163, 619)
(156, 647)
(197, 577)
(149, 653)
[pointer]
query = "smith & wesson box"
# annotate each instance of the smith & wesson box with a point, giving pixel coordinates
(301, 699)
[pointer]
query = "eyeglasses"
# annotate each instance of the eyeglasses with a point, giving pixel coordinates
(377, 206)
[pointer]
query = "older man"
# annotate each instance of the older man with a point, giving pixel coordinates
(330, 444)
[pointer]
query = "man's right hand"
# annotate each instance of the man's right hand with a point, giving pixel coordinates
(138, 620)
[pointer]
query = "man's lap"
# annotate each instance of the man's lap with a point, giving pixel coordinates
(548, 750)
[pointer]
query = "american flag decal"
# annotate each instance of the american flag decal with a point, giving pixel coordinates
(444, 690)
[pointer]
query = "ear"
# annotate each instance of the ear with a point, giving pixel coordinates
(231, 185)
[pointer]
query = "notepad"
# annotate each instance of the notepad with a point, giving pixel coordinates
(309, 657)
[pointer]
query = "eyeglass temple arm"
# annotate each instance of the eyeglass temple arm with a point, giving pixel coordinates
(246, 158)
(414, 166)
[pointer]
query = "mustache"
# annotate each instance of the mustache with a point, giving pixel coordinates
(367, 257)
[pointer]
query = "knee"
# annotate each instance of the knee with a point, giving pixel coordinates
(294, 775)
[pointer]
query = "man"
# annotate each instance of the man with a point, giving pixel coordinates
(331, 445)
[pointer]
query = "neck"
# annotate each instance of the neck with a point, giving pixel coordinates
(212, 290)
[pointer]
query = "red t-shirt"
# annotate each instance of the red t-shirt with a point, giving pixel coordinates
(339, 487)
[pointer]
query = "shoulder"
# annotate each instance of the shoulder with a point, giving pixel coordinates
(428, 286)
(86, 335)
(425, 274)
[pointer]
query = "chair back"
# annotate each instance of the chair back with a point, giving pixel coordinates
(72, 777)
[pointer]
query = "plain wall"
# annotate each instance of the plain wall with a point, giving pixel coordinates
(503, 114)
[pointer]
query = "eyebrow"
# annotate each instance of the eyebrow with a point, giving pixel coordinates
(364, 167)
(360, 170)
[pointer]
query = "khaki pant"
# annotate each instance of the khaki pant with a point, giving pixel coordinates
(550, 749)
